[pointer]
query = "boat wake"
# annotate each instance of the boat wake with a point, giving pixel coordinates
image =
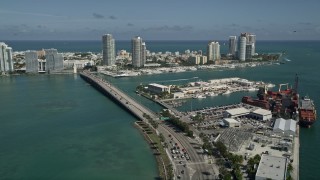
(177, 80)
(286, 59)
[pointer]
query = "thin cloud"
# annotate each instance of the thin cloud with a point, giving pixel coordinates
(234, 25)
(29, 13)
(306, 23)
(98, 16)
(169, 28)
(112, 17)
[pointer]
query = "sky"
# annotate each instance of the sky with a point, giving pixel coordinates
(159, 19)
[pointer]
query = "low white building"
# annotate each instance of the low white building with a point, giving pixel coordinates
(229, 122)
(285, 127)
(178, 95)
(272, 167)
(223, 80)
(157, 88)
(261, 114)
(236, 112)
(243, 82)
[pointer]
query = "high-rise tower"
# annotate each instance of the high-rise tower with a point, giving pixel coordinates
(233, 45)
(213, 51)
(242, 47)
(252, 40)
(143, 53)
(109, 53)
(32, 63)
(54, 60)
(138, 52)
(6, 61)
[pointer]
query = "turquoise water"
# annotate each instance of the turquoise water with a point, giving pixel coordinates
(57, 126)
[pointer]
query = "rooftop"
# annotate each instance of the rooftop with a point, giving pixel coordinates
(237, 111)
(285, 125)
(272, 167)
(158, 85)
(261, 111)
(231, 120)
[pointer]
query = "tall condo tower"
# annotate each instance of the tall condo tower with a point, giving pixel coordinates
(233, 45)
(54, 60)
(138, 52)
(213, 51)
(249, 48)
(31, 58)
(6, 61)
(109, 53)
(143, 53)
(252, 40)
(242, 47)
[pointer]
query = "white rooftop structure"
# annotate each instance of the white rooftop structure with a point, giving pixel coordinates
(230, 122)
(261, 111)
(236, 112)
(158, 85)
(157, 88)
(261, 114)
(287, 127)
(272, 167)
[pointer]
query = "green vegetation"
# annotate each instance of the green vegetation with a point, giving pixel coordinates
(206, 144)
(289, 171)
(178, 123)
(151, 121)
(198, 118)
(225, 173)
(164, 164)
(253, 164)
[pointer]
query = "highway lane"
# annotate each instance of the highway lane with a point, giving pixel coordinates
(198, 163)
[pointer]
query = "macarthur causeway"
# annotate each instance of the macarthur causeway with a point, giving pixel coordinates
(219, 142)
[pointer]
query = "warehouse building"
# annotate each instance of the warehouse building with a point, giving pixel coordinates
(232, 123)
(261, 114)
(157, 88)
(285, 127)
(272, 167)
(235, 113)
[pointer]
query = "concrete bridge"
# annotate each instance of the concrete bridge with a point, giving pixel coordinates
(118, 96)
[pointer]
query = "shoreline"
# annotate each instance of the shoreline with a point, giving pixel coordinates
(180, 69)
(163, 174)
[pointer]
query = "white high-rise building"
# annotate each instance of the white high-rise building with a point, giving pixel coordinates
(213, 51)
(54, 60)
(252, 40)
(109, 52)
(6, 61)
(242, 47)
(138, 52)
(249, 48)
(143, 53)
(32, 63)
(233, 45)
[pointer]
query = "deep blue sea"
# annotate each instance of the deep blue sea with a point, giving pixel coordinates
(57, 125)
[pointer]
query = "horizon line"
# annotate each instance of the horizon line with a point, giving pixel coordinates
(155, 40)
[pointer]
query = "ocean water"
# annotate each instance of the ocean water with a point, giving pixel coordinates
(55, 125)
(59, 127)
